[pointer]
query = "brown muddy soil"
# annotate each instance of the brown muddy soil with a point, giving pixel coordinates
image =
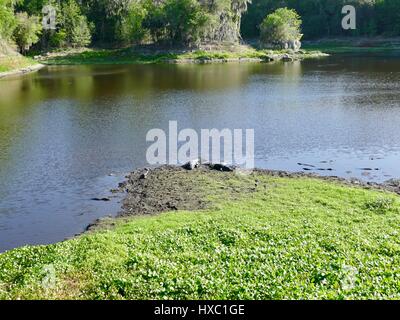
(169, 188)
(166, 188)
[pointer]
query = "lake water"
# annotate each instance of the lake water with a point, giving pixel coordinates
(68, 134)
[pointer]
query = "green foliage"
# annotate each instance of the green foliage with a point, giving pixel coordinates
(131, 28)
(292, 238)
(34, 7)
(8, 20)
(129, 56)
(155, 20)
(281, 26)
(74, 29)
(189, 22)
(27, 31)
(173, 21)
(58, 39)
(381, 205)
(322, 18)
(15, 63)
(185, 21)
(107, 17)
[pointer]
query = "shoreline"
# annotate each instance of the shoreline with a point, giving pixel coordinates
(356, 45)
(144, 197)
(242, 54)
(312, 49)
(284, 224)
(22, 71)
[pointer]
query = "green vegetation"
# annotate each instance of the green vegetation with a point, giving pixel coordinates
(128, 56)
(286, 238)
(115, 22)
(281, 26)
(190, 22)
(14, 63)
(187, 24)
(74, 28)
(27, 31)
(322, 18)
(7, 19)
(357, 45)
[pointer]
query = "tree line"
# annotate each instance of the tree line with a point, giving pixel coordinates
(182, 22)
(322, 18)
(122, 22)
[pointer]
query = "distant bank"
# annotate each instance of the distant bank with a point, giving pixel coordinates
(13, 63)
(354, 44)
(151, 55)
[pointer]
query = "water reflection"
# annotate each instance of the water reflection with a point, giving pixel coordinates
(63, 130)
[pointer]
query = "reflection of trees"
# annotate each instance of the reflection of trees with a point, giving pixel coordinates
(95, 90)
(86, 83)
(126, 98)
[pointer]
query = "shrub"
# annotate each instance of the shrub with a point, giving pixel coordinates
(185, 20)
(283, 25)
(131, 29)
(27, 31)
(75, 25)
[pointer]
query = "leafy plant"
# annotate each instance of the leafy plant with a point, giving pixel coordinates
(8, 21)
(283, 25)
(27, 31)
(380, 205)
(74, 25)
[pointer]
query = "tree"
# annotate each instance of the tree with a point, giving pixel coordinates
(185, 20)
(74, 25)
(238, 8)
(155, 19)
(132, 29)
(8, 21)
(280, 27)
(225, 19)
(27, 31)
(107, 17)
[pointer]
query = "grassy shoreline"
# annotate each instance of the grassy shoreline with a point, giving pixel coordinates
(223, 54)
(10, 64)
(285, 238)
(244, 53)
(130, 56)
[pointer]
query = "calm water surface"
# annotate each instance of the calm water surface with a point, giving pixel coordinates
(68, 134)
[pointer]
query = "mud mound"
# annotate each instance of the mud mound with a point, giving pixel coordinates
(168, 188)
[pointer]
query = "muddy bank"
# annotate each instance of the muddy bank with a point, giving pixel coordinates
(168, 188)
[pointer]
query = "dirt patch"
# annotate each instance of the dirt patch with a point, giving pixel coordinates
(170, 188)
